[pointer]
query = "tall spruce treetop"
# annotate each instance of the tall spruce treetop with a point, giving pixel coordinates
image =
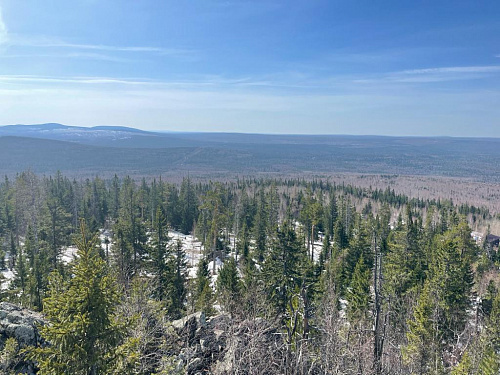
(282, 268)
(159, 254)
(405, 263)
(189, 205)
(82, 333)
(203, 293)
(451, 272)
(229, 285)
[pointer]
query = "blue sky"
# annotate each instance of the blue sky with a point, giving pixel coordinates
(321, 67)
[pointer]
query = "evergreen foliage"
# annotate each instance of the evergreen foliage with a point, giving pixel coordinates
(228, 285)
(203, 293)
(82, 330)
(413, 295)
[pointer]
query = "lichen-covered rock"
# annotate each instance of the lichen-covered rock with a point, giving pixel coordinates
(20, 324)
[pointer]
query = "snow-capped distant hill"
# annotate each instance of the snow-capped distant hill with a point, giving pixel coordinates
(109, 136)
(72, 133)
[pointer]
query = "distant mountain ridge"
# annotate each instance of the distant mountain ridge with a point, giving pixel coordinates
(110, 136)
(57, 126)
(55, 130)
(107, 150)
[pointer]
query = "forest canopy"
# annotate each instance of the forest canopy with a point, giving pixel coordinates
(335, 279)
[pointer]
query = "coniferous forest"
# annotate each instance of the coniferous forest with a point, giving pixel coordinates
(248, 276)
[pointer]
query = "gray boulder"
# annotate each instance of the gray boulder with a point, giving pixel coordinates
(20, 324)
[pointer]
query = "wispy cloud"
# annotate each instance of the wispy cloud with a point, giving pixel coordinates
(224, 104)
(74, 55)
(205, 81)
(32, 79)
(98, 56)
(455, 69)
(43, 42)
(3, 29)
(429, 75)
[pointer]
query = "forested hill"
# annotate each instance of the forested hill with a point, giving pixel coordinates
(250, 276)
(107, 150)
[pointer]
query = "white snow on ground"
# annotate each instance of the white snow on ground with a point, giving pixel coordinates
(218, 265)
(9, 275)
(103, 234)
(193, 249)
(194, 252)
(68, 254)
(343, 307)
(318, 246)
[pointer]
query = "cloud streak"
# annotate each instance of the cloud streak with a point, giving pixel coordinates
(207, 81)
(455, 69)
(32, 79)
(430, 75)
(61, 44)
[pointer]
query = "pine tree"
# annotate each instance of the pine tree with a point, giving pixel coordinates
(82, 332)
(359, 246)
(489, 297)
(326, 251)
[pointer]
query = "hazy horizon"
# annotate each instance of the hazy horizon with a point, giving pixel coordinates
(166, 131)
(280, 67)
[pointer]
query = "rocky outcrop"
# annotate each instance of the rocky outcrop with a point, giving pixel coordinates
(200, 343)
(20, 324)
(222, 345)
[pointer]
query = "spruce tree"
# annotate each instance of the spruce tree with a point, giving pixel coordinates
(358, 293)
(19, 283)
(82, 331)
(281, 269)
(178, 266)
(424, 338)
(228, 285)
(451, 274)
(159, 256)
(203, 293)
(259, 227)
(189, 205)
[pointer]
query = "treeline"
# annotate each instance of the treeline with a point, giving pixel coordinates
(350, 287)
